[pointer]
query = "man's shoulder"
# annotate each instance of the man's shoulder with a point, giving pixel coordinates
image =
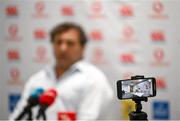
(93, 74)
(95, 77)
(39, 76)
(91, 69)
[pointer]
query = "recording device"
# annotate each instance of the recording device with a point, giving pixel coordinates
(138, 88)
(45, 100)
(32, 101)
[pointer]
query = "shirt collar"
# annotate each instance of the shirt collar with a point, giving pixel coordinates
(77, 66)
(74, 67)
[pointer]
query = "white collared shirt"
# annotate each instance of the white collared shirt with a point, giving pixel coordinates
(83, 90)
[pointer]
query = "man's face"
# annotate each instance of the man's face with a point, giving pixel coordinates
(67, 48)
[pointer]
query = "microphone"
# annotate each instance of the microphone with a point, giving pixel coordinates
(45, 100)
(31, 102)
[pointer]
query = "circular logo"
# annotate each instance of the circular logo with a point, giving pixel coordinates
(157, 6)
(96, 7)
(159, 54)
(41, 52)
(128, 31)
(13, 29)
(39, 7)
(15, 73)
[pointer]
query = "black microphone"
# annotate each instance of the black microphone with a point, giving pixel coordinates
(32, 101)
(45, 100)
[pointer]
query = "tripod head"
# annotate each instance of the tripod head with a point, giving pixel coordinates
(138, 103)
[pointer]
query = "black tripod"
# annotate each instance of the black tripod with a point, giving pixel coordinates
(138, 114)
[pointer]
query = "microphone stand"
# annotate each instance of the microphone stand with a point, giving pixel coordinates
(30, 116)
(41, 112)
(27, 110)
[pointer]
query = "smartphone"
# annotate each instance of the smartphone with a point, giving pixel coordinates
(136, 88)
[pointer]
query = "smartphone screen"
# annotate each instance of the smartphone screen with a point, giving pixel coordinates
(129, 89)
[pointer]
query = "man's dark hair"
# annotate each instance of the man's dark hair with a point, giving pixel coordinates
(63, 27)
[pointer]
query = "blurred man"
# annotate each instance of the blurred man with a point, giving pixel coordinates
(83, 90)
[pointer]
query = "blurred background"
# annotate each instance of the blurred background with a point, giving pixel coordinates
(126, 37)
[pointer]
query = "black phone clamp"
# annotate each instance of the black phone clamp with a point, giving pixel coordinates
(138, 114)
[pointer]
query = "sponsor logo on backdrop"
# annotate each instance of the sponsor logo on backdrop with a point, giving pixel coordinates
(96, 35)
(39, 8)
(158, 10)
(13, 33)
(159, 58)
(68, 116)
(13, 98)
(126, 107)
(161, 83)
(158, 36)
(40, 34)
(127, 58)
(127, 75)
(98, 56)
(41, 55)
(13, 55)
(96, 10)
(11, 10)
(128, 35)
(14, 76)
(126, 10)
(161, 110)
(67, 11)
